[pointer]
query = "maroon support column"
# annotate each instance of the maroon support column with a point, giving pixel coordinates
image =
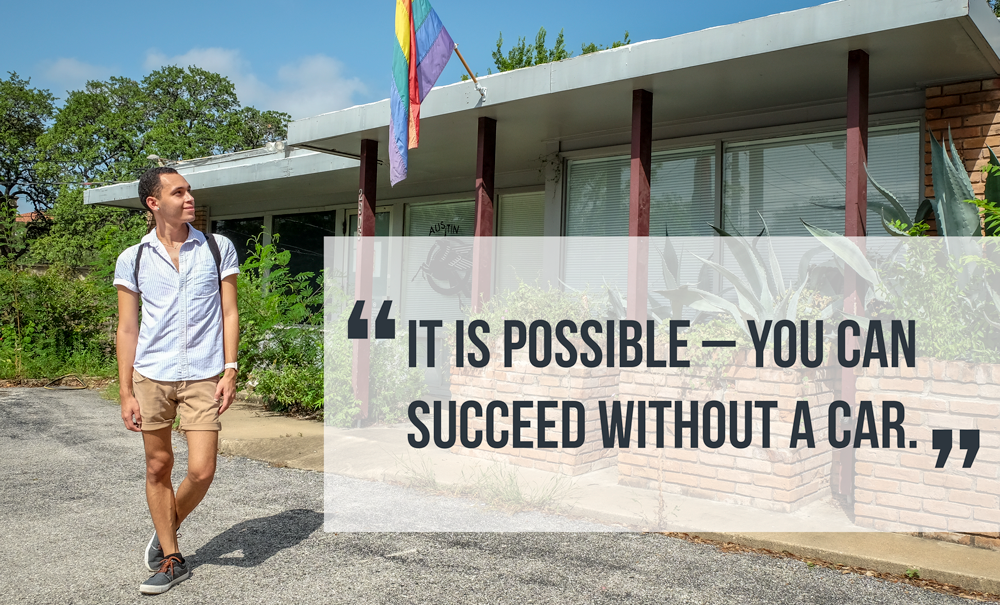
(364, 254)
(857, 143)
(482, 247)
(854, 226)
(638, 203)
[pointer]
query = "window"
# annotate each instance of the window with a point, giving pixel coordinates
(521, 215)
(380, 270)
(437, 277)
(682, 194)
(241, 231)
(789, 179)
(302, 236)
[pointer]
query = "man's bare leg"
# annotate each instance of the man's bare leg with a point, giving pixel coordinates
(203, 448)
(159, 489)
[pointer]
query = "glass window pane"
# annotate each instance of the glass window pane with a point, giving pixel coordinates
(302, 236)
(786, 180)
(241, 231)
(425, 286)
(597, 197)
(449, 218)
(381, 224)
(380, 277)
(522, 214)
(682, 194)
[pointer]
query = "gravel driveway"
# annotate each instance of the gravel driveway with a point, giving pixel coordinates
(74, 524)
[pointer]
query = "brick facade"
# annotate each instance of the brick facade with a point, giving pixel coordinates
(972, 110)
(526, 382)
(200, 221)
(778, 478)
(898, 489)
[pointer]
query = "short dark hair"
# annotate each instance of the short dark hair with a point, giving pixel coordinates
(150, 185)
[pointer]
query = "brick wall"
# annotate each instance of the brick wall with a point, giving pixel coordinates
(897, 490)
(200, 221)
(972, 110)
(778, 478)
(526, 382)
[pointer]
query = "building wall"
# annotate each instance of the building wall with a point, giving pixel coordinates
(972, 110)
(200, 221)
(896, 490)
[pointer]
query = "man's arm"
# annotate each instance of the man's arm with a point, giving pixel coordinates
(125, 344)
(226, 390)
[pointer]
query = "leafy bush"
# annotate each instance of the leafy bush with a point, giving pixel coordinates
(281, 346)
(392, 383)
(55, 323)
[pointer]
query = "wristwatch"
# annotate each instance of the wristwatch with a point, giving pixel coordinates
(232, 365)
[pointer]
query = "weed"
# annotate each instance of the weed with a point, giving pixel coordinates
(498, 485)
(913, 573)
(111, 393)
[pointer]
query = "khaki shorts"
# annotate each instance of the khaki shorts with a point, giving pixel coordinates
(160, 401)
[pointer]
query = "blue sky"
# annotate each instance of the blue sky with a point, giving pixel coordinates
(308, 57)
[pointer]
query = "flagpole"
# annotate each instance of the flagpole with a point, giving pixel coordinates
(482, 91)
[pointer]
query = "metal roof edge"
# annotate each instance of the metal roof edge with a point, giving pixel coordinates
(252, 168)
(836, 20)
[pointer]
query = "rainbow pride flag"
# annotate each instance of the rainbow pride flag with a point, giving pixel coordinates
(422, 49)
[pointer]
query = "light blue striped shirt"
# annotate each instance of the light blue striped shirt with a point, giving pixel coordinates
(181, 333)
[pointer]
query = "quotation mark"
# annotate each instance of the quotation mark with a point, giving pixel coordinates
(357, 327)
(968, 440)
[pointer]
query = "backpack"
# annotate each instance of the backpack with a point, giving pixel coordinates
(212, 245)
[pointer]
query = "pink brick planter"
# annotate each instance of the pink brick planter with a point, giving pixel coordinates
(526, 382)
(898, 489)
(778, 478)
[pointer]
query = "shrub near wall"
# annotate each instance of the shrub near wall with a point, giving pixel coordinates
(54, 323)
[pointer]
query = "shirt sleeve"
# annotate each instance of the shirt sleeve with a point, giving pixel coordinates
(125, 269)
(230, 262)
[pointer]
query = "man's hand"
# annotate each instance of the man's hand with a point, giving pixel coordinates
(226, 390)
(130, 413)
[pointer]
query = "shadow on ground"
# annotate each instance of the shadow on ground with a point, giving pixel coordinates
(258, 539)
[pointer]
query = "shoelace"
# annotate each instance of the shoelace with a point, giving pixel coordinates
(167, 565)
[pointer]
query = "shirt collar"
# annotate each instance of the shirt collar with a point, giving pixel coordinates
(193, 235)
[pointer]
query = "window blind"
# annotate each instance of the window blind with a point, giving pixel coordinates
(452, 220)
(805, 178)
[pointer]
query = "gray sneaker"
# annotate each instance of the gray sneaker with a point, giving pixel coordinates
(172, 571)
(154, 553)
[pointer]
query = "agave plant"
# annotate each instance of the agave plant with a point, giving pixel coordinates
(760, 295)
(970, 262)
(950, 207)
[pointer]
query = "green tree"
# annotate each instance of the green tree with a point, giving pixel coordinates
(106, 132)
(593, 48)
(995, 5)
(524, 55)
(24, 112)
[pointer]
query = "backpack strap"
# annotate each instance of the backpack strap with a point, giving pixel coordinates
(135, 272)
(213, 245)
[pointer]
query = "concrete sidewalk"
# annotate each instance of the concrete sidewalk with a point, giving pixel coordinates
(284, 441)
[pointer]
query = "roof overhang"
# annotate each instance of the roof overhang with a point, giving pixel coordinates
(788, 60)
(790, 66)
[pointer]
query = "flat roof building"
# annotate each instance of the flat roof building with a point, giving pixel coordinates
(768, 115)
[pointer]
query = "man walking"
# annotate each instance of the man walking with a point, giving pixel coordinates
(171, 365)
